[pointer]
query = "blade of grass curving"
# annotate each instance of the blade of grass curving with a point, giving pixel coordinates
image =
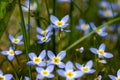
(25, 37)
(6, 10)
(89, 34)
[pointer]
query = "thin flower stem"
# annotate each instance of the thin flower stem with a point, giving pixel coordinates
(25, 37)
(54, 39)
(89, 34)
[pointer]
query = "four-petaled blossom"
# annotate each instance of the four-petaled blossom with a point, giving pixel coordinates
(5, 76)
(83, 26)
(112, 77)
(16, 40)
(11, 53)
(43, 39)
(101, 52)
(60, 24)
(42, 32)
(45, 73)
(37, 60)
(87, 68)
(25, 6)
(56, 60)
(101, 32)
(69, 72)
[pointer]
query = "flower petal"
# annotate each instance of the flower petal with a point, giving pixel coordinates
(89, 64)
(32, 55)
(108, 55)
(42, 54)
(53, 19)
(69, 66)
(79, 66)
(94, 50)
(61, 72)
(112, 77)
(8, 76)
(50, 68)
(10, 57)
(65, 19)
(51, 54)
(118, 72)
(78, 74)
(102, 46)
(61, 54)
(18, 52)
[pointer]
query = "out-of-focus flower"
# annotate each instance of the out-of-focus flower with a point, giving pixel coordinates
(81, 49)
(63, 0)
(17, 40)
(102, 61)
(60, 24)
(5, 76)
(37, 60)
(83, 26)
(107, 13)
(69, 72)
(112, 77)
(42, 32)
(56, 60)
(101, 32)
(11, 53)
(104, 4)
(43, 39)
(98, 78)
(86, 69)
(101, 52)
(45, 73)
(26, 78)
(25, 6)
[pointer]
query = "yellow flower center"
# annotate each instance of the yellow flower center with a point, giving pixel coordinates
(16, 40)
(37, 60)
(70, 74)
(101, 52)
(84, 26)
(98, 30)
(44, 32)
(59, 24)
(56, 60)
(1, 77)
(108, 13)
(45, 73)
(118, 78)
(11, 52)
(44, 39)
(85, 69)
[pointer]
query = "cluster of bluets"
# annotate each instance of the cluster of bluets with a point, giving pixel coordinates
(46, 62)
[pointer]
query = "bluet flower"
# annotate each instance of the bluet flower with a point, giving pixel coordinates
(43, 39)
(5, 76)
(17, 40)
(81, 49)
(25, 6)
(60, 24)
(56, 60)
(69, 72)
(101, 32)
(45, 73)
(98, 78)
(107, 13)
(26, 78)
(37, 60)
(101, 52)
(11, 53)
(42, 32)
(83, 26)
(112, 77)
(87, 68)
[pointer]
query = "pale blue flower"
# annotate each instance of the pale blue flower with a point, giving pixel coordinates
(17, 40)
(60, 24)
(26, 78)
(69, 72)
(87, 68)
(42, 32)
(43, 39)
(112, 77)
(5, 76)
(101, 52)
(83, 26)
(11, 53)
(45, 73)
(101, 32)
(56, 60)
(25, 6)
(39, 61)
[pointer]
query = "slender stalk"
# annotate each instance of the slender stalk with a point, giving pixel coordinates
(89, 34)
(54, 39)
(25, 37)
